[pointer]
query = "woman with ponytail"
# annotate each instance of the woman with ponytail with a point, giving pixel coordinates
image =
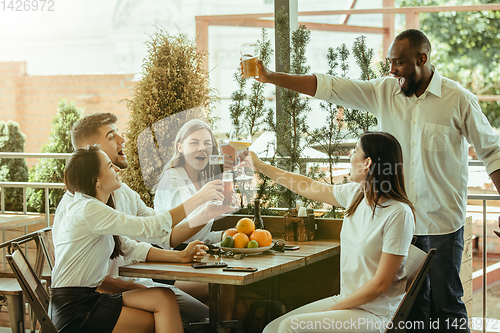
(89, 235)
(376, 235)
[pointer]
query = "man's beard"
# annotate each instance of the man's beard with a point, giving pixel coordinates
(412, 86)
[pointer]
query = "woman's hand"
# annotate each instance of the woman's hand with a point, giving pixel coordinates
(333, 308)
(211, 191)
(195, 251)
(250, 159)
(228, 162)
(214, 211)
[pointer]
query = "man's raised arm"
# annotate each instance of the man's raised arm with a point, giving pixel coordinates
(305, 84)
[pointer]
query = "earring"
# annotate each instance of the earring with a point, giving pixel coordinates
(98, 186)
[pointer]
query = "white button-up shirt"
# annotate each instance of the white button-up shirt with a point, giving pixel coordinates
(433, 131)
(83, 239)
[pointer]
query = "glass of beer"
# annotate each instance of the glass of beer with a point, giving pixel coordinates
(227, 180)
(216, 171)
(249, 53)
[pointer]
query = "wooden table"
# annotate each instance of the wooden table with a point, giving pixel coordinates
(269, 264)
(16, 220)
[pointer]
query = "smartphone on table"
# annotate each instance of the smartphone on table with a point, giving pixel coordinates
(239, 269)
(219, 264)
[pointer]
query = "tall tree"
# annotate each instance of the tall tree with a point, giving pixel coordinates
(50, 170)
(291, 127)
(173, 81)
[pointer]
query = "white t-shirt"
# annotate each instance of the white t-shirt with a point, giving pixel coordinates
(363, 239)
(174, 188)
(83, 241)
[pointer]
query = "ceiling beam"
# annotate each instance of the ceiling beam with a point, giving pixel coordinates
(393, 10)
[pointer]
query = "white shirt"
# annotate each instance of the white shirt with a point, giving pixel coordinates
(83, 239)
(432, 130)
(174, 188)
(364, 237)
(129, 202)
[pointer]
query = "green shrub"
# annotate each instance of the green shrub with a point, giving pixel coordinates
(12, 169)
(50, 170)
(173, 80)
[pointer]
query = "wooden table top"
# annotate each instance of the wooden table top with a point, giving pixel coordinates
(19, 220)
(269, 263)
(314, 251)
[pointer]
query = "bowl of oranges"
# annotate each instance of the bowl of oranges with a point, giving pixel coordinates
(244, 238)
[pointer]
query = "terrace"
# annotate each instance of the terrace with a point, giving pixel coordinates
(215, 37)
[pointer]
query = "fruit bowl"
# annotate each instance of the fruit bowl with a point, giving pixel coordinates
(246, 250)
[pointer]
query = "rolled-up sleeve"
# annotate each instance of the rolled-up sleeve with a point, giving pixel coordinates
(479, 133)
(134, 251)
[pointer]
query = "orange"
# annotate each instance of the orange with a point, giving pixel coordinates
(240, 240)
(245, 225)
(263, 237)
(229, 232)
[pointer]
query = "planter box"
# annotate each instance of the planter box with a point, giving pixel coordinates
(299, 228)
(325, 228)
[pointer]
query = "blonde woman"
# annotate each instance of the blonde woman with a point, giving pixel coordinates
(184, 175)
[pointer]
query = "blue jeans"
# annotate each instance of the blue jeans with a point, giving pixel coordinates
(439, 303)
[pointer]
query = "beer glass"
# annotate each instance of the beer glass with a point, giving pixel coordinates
(249, 53)
(216, 170)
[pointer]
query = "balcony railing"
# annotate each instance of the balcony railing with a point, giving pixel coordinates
(46, 186)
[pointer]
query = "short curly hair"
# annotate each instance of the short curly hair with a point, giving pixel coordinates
(418, 40)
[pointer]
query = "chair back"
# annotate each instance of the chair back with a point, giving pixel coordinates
(414, 261)
(33, 289)
(417, 266)
(45, 239)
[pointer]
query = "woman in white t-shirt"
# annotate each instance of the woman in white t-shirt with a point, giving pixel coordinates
(88, 236)
(375, 238)
(183, 177)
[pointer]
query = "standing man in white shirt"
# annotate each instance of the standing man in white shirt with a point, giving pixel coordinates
(433, 118)
(100, 129)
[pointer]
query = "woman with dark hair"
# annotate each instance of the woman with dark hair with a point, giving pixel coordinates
(86, 238)
(375, 238)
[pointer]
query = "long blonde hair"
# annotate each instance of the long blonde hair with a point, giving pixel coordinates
(178, 159)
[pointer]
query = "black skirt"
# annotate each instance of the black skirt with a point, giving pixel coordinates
(84, 310)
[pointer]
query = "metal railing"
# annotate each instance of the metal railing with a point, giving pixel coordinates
(484, 198)
(46, 186)
(25, 185)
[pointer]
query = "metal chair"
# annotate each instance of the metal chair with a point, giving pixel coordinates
(417, 266)
(33, 289)
(11, 294)
(47, 246)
